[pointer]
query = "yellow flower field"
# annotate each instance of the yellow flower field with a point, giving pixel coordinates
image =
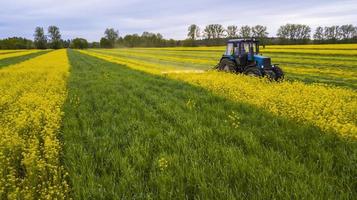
(10, 51)
(330, 108)
(333, 109)
(32, 94)
(16, 53)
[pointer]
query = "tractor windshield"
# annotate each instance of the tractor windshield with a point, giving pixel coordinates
(245, 48)
(230, 49)
(254, 45)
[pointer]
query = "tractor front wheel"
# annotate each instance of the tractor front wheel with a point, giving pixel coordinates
(253, 71)
(227, 66)
(279, 74)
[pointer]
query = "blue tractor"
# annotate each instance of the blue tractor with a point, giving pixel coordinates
(242, 56)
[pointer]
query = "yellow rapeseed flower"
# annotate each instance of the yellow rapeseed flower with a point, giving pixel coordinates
(9, 54)
(32, 94)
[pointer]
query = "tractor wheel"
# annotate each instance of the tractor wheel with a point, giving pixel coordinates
(253, 71)
(279, 74)
(270, 74)
(227, 66)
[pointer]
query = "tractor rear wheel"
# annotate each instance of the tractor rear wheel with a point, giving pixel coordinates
(253, 71)
(227, 66)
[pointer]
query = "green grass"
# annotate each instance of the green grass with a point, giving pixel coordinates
(119, 123)
(14, 60)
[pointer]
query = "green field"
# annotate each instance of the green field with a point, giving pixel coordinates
(335, 65)
(157, 123)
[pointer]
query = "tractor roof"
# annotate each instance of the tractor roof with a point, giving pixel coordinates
(242, 40)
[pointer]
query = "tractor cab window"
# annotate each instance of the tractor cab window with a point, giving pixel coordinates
(236, 51)
(229, 50)
(245, 48)
(254, 47)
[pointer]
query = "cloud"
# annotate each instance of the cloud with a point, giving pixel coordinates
(89, 18)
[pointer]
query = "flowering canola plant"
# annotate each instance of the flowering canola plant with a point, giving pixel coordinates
(17, 53)
(330, 108)
(32, 94)
(10, 51)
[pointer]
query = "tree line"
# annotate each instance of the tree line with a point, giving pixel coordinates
(111, 39)
(210, 35)
(51, 40)
(216, 34)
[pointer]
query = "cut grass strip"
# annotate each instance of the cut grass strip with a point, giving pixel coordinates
(14, 60)
(133, 135)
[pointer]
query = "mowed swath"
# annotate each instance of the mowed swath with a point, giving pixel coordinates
(135, 135)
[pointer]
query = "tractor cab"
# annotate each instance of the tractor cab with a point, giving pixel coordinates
(242, 56)
(240, 48)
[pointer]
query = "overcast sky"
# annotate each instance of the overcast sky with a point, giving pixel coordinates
(89, 18)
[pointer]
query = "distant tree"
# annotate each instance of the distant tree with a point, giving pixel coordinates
(132, 40)
(284, 31)
(66, 43)
(245, 32)
(347, 31)
(105, 43)
(193, 32)
(232, 31)
(218, 31)
(112, 36)
(304, 32)
(94, 45)
(332, 33)
(319, 34)
(16, 43)
(208, 32)
(55, 37)
(146, 39)
(151, 40)
(260, 32)
(294, 32)
(40, 39)
(79, 43)
(214, 31)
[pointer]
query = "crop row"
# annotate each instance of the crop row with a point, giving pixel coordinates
(332, 109)
(17, 53)
(32, 94)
